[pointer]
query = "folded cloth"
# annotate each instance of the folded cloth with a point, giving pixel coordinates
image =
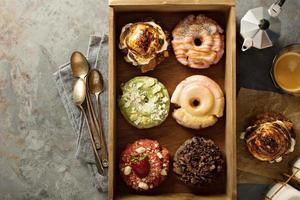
(97, 58)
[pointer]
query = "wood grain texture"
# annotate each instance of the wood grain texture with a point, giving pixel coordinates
(177, 196)
(171, 8)
(171, 2)
(170, 134)
(230, 87)
(111, 104)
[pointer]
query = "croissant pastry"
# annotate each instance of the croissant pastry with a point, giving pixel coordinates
(270, 136)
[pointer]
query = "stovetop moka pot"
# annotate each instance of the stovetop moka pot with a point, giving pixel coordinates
(260, 27)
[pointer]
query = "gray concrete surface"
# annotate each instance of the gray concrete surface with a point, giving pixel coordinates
(37, 144)
(36, 141)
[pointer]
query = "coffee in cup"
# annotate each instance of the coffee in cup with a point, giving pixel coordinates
(286, 69)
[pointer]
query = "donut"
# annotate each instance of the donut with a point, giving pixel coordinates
(144, 102)
(144, 45)
(198, 162)
(144, 164)
(198, 41)
(269, 137)
(200, 102)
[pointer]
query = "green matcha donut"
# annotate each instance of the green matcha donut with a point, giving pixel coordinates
(144, 102)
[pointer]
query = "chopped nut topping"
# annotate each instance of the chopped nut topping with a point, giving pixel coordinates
(127, 170)
(140, 150)
(159, 155)
(143, 185)
(164, 172)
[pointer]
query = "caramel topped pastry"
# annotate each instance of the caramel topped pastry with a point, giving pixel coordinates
(270, 136)
(145, 44)
(271, 117)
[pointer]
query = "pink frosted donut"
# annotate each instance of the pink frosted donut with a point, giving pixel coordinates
(198, 41)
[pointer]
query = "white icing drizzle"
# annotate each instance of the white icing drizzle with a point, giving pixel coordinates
(293, 143)
(242, 136)
(279, 159)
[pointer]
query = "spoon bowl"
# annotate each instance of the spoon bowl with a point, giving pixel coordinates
(79, 92)
(95, 81)
(79, 65)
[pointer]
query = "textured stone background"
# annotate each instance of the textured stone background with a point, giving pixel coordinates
(37, 145)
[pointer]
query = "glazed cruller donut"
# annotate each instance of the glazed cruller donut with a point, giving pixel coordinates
(198, 41)
(200, 101)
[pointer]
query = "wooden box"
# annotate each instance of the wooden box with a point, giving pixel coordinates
(170, 134)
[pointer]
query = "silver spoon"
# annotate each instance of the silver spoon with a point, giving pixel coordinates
(96, 87)
(80, 68)
(79, 94)
(79, 65)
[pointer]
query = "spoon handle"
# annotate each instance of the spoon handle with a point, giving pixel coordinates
(100, 168)
(104, 155)
(91, 112)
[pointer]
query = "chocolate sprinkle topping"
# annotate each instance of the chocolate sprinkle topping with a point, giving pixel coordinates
(198, 161)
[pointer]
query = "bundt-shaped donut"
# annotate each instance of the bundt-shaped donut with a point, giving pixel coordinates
(198, 41)
(200, 101)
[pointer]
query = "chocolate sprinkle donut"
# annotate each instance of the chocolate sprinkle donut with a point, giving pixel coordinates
(198, 162)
